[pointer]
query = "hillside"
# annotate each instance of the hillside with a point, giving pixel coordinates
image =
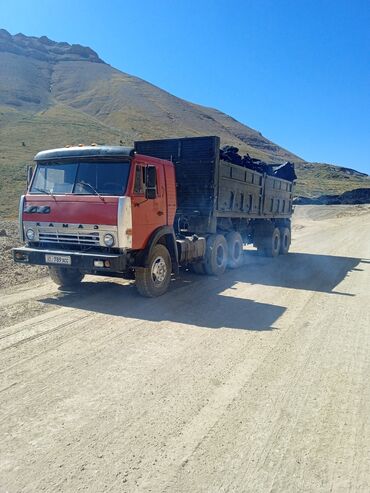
(52, 94)
(321, 178)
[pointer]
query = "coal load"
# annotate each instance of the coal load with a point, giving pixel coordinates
(231, 154)
(285, 171)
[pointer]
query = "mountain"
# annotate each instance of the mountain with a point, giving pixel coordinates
(53, 94)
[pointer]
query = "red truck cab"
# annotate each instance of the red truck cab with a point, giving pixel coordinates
(96, 209)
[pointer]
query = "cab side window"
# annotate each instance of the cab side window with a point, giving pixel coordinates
(139, 186)
(151, 182)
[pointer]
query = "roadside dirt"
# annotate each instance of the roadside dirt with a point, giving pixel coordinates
(257, 381)
(11, 273)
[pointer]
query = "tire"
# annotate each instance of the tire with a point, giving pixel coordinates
(65, 277)
(267, 240)
(235, 250)
(271, 243)
(216, 255)
(198, 268)
(154, 280)
(285, 240)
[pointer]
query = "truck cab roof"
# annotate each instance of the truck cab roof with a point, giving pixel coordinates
(94, 152)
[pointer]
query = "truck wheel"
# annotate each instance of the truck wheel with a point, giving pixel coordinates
(216, 255)
(271, 243)
(64, 277)
(154, 280)
(285, 240)
(235, 250)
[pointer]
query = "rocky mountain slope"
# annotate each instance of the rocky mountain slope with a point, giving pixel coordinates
(52, 94)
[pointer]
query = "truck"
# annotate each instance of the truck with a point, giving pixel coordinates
(146, 211)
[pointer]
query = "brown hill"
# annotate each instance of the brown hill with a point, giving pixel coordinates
(52, 94)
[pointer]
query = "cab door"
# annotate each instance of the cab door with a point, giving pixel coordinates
(148, 214)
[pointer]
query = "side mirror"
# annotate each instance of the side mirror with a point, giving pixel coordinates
(29, 175)
(151, 182)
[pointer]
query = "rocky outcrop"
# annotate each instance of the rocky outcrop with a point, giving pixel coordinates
(357, 196)
(45, 49)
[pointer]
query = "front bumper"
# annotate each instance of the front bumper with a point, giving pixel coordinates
(118, 263)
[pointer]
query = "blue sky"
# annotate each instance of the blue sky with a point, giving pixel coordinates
(296, 70)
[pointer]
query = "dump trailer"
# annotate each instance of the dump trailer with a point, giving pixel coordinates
(143, 212)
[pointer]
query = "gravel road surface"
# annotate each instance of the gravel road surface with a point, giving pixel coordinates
(257, 381)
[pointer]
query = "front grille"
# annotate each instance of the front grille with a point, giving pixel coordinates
(75, 238)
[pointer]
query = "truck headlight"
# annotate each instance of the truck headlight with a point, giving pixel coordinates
(30, 234)
(108, 240)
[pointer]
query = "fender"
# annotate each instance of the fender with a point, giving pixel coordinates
(170, 242)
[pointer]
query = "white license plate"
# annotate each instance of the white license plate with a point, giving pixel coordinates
(58, 259)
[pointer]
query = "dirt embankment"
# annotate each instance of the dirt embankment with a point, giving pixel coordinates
(12, 273)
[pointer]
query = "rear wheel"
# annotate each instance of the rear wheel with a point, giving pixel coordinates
(216, 255)
(272, 243)
(154, 280)
(285, 240)
(268, 241)
(64, 277)
(235, 250)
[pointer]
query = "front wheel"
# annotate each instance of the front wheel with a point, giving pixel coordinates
(65, 277)
(154, 280)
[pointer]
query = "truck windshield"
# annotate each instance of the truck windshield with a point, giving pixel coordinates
(85, 178)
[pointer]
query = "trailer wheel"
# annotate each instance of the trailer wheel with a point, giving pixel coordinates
(271, 243)
(154, 280)
(64, 277)
(235, 250)
(285, 240)
(216, 255)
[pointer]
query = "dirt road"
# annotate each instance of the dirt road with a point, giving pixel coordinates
(254, 382)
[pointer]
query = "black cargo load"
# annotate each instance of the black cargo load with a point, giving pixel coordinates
(212, 192)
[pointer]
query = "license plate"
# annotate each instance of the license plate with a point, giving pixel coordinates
(58, 259)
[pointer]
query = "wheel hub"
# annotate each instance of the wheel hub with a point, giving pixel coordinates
(159, 270)
(220, 255)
